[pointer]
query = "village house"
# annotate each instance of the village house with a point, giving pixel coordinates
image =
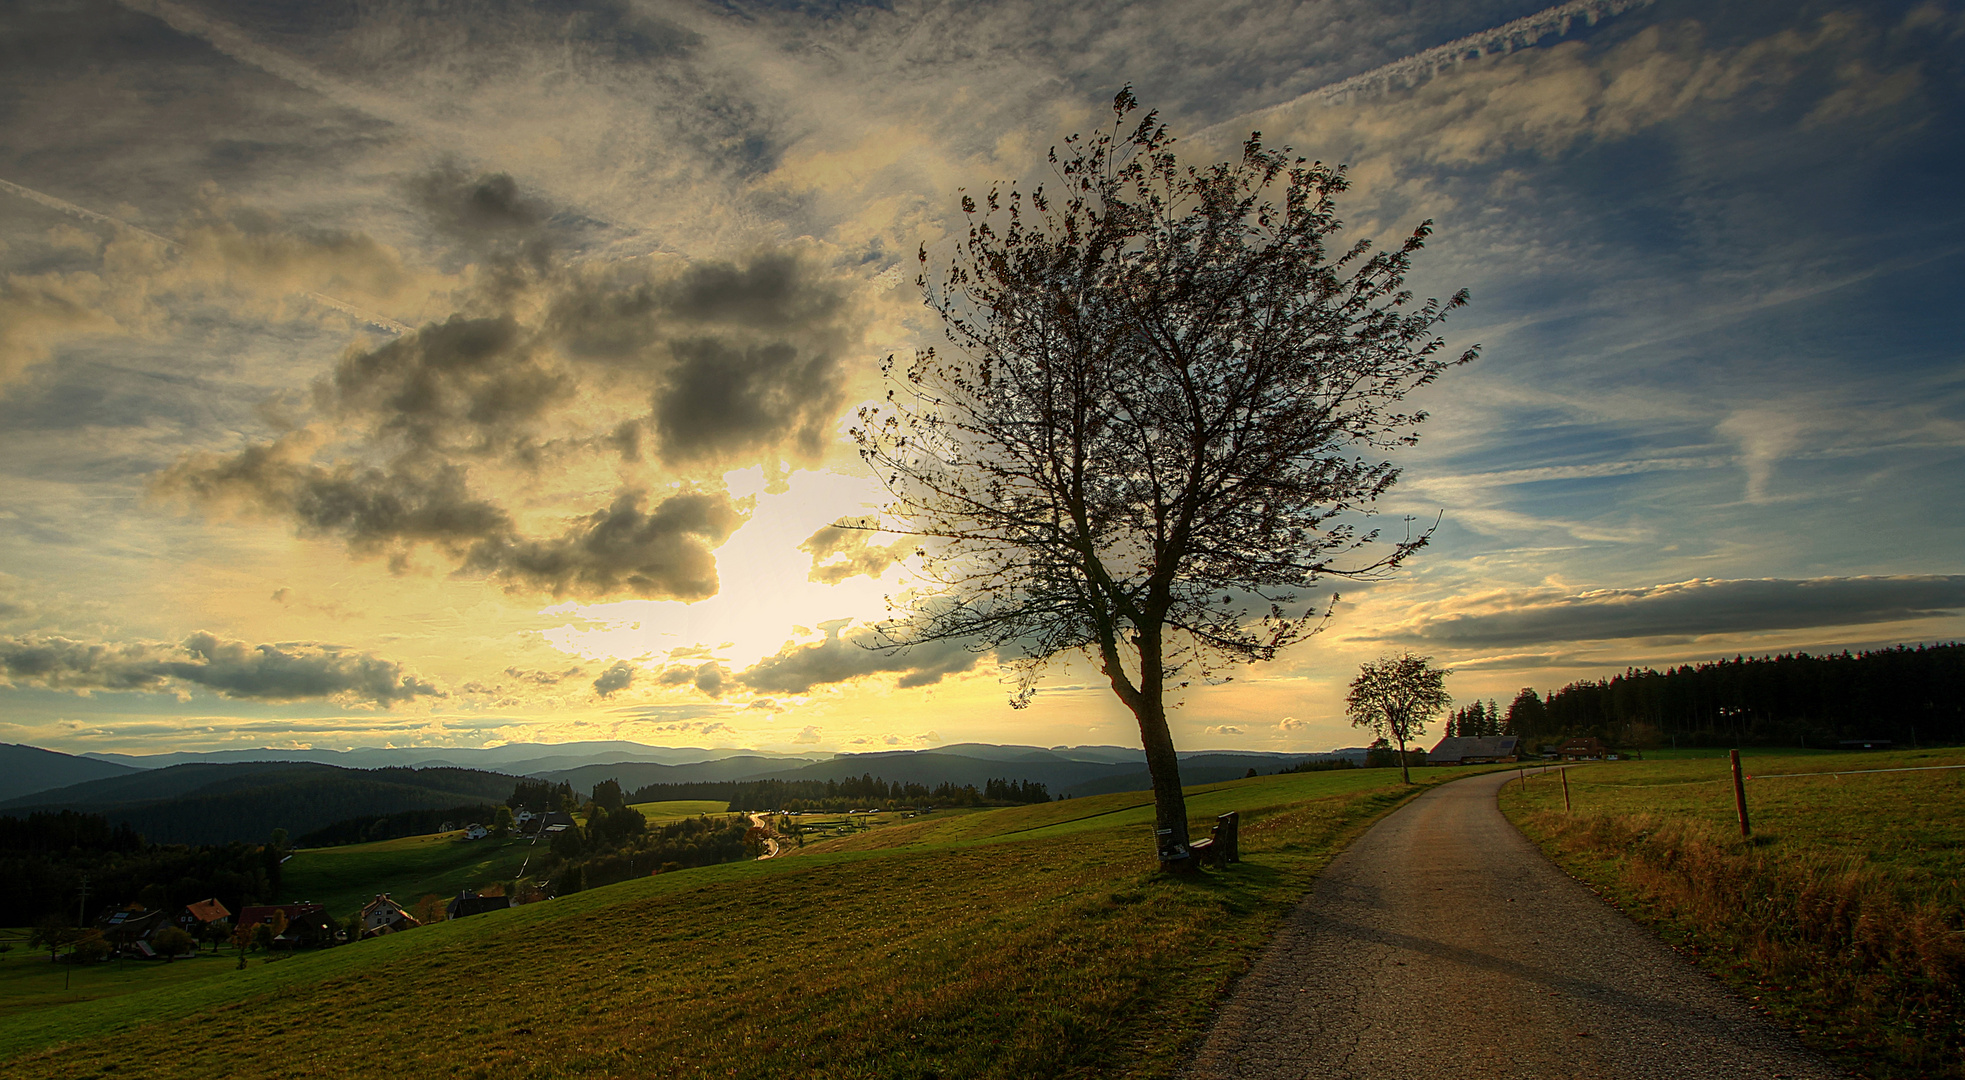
(307, 924)
(195, 918)
(128, 928)
(475, 831)
(470, 903)
(1471, 750)
(384, 916)
(1584, 748)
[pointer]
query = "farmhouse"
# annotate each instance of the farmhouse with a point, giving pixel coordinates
(1467, 750)
(307, 924)
(195, 917)
(383, 916)
(470, 903)
(1587, 748)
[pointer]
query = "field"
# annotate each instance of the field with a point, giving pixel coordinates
(1021, 942)
(661, 813)
(1843, 915)
(344, 878)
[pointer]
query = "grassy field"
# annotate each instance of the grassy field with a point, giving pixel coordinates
(344, 878)
(1023, 942)
(1843, 915)
(28, 982)
(661, 813)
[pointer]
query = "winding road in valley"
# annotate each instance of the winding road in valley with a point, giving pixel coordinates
(1442, 945)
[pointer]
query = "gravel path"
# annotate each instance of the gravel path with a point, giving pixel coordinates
(1442, 944)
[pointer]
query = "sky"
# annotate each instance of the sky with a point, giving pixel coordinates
(390, 374)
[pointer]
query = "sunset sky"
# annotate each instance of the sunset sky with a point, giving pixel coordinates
(398, 374)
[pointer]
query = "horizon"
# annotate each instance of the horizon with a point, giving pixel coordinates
(331, 343)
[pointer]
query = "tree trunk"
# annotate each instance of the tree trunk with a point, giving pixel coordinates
(1169, 804)
(1405, 770)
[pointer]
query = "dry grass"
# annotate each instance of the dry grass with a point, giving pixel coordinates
(1859, 945)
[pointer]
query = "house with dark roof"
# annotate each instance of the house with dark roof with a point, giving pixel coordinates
(307, 924)
(1475, 750)
(1585, 748)
(470, 903)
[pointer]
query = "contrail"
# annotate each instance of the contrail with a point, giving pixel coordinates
(237, 44)
(85, 214)
(382, 322)
(1499, 41)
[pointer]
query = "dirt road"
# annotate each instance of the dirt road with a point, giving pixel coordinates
(1443, 946)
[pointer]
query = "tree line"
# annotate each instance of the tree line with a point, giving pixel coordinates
(851, 793)
(1905, 694)
(45, 857)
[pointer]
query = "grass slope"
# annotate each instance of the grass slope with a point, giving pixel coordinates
(348, 876)
(1022, 942)
(1844, 914)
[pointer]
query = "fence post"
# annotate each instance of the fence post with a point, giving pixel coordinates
(1740, 795)
(1564, 773)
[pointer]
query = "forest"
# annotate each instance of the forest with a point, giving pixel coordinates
(1914, 696)
(45, 858)
(851, 793)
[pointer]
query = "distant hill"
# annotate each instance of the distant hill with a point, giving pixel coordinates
(218, 803)
(517, 759)
(25, 770)
(637, 774)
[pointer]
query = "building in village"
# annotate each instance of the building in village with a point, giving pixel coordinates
(383, 916)
(1475, 750)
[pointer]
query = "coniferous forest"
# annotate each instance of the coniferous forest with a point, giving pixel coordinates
(1910, 695)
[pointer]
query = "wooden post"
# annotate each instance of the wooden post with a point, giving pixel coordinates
(1740, 795)
(1564, 773)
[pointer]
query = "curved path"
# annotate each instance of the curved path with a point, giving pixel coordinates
(1442, 944)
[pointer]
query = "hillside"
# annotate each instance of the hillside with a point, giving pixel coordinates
(1023, 942)
(215, 804)
(25, 770)
(514, 758)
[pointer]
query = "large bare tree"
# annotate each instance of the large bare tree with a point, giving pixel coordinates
(1164, 415)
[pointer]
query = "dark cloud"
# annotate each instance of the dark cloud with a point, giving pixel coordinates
(840, 657)
(742, 358)
(281, 672)
(474, 387)
(618, 676)
(1695, 608)
(839, 553)
(720, 402)
(664, 553)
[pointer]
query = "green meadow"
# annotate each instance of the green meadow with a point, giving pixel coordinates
(344, 878)
(1019, 942)
(1843, 914)
(443, 864)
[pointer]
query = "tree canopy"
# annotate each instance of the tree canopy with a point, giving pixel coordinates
(1396, 696)
(1162, 415)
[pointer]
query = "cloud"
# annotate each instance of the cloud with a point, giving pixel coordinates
(708, 677)
(663, 552)
(1686, 609)
(1290, 723)
(839, 553)
(617, 677)
(807, 736)
(842, 657)
(283, 672)
(1222, 729)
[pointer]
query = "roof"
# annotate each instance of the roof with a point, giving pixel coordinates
(206, 911)
(477, 905)
(254, 914)
(1489, 746)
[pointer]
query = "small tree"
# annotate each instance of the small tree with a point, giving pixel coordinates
(172, 942)
(53, 934)
(1157, 423)
(501, 824)
(1395, 696)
